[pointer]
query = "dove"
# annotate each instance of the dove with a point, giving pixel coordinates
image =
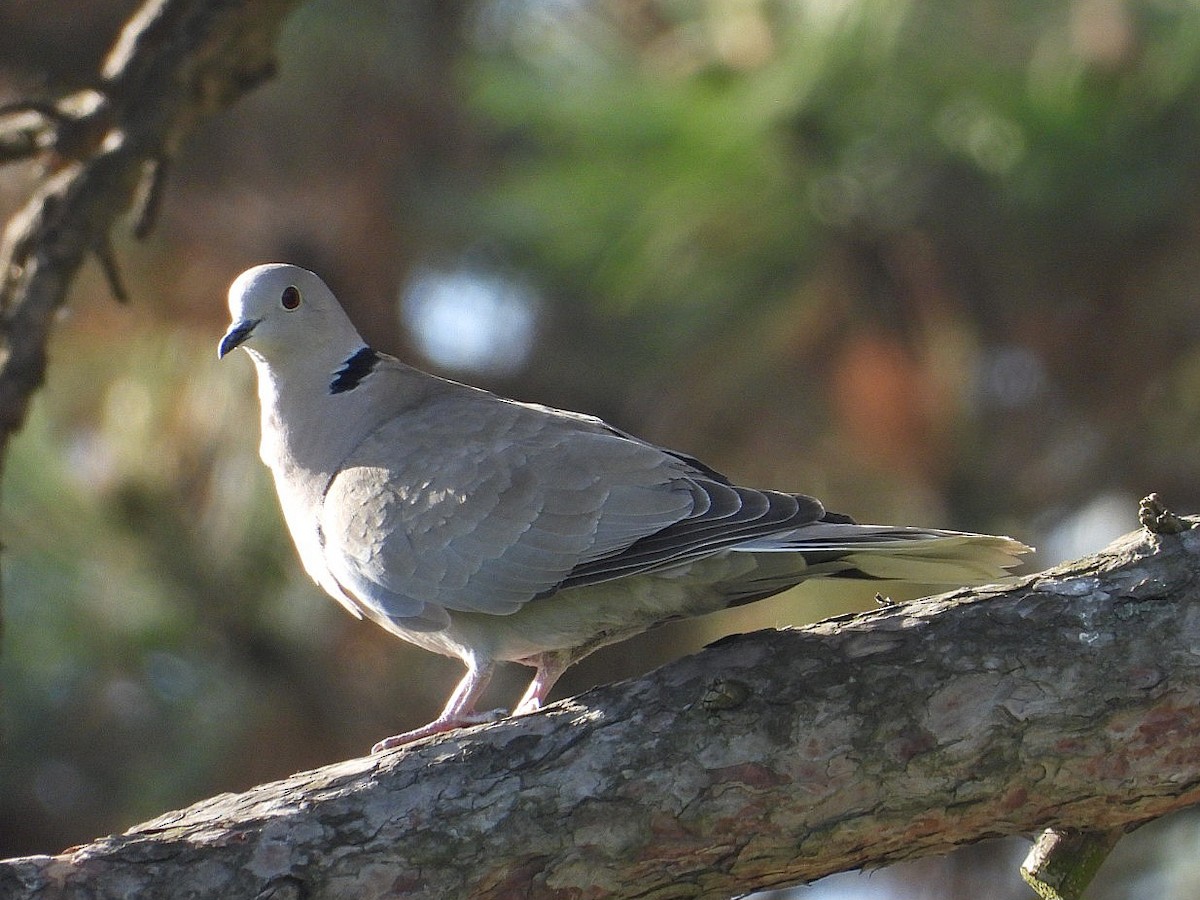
(493, 530)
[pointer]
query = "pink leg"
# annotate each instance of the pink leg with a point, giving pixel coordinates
(550, 667)
(459, 711)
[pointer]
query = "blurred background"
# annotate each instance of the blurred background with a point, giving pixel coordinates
(934, 262)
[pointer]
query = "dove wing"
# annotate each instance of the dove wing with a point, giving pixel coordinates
(477, 504)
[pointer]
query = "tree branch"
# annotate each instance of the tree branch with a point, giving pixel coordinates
(1066, 700)
(175, 62)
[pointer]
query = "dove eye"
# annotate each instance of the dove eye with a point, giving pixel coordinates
(290, 298)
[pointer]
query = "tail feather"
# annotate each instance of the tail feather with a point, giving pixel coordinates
(921, 556)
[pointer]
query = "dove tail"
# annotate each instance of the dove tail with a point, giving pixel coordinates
(936, 558)
(887, 553)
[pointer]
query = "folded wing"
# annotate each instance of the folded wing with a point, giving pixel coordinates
(487, 513)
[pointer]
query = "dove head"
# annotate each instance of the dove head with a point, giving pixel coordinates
(282, 312)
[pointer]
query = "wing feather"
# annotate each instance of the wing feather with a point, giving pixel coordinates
(421, 516)
(732, 516)
(482, 505)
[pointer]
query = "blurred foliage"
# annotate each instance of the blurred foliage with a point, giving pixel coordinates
(933, 262)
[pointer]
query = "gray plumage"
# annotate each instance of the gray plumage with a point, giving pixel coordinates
(492, 530)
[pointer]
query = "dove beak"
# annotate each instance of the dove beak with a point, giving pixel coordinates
(236, 335)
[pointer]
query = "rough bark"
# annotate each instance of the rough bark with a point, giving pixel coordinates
(105, 151)
(1066, 700)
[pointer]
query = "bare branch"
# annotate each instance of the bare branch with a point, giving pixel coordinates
(174, 63)
(1066, 700)
(1063, 861)
(27, 128)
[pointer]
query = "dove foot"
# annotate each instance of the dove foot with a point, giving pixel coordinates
(550, 666)
(439, 725)
(459, 712)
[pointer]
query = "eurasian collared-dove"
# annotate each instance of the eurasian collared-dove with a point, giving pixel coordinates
(491, 530)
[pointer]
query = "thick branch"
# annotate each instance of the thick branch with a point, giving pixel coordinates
(1067, 700)
(175, 62)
